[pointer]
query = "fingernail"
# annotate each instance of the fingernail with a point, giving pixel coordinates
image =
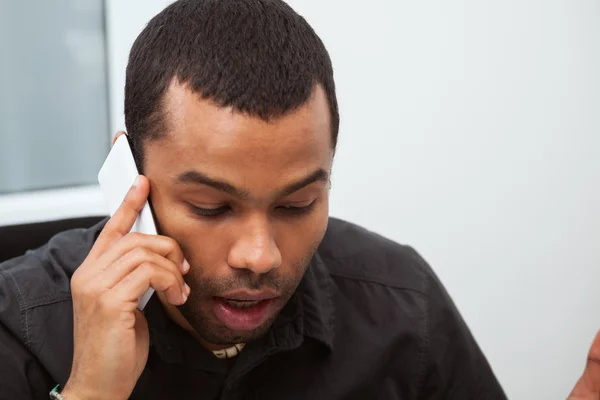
(186, 266)
(137, 181)
(187, 289)
(184, 297)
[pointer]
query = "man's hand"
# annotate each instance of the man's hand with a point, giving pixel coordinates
(110, 334)
(588, 386)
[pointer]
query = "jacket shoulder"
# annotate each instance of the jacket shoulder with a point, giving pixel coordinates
(42, 276)
(35, 300)
(351, 251)
(46, 271)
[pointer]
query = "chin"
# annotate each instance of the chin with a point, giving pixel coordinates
(229, 337)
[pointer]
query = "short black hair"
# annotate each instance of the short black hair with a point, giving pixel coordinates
(258, 56)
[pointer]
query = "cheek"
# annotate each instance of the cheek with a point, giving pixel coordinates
(204, 247)
(298, 239)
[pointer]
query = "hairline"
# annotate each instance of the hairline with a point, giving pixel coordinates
(162, 127)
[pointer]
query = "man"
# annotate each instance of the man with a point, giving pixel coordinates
(231, 111)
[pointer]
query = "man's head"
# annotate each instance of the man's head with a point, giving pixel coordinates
(231, 110)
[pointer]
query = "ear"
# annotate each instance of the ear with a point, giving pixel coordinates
(119, 133)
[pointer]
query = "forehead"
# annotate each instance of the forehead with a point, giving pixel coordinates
(227, 143)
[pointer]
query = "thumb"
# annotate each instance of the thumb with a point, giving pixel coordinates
(588, 386)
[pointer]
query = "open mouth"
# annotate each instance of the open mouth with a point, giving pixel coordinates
(243, 315)
(241, 304)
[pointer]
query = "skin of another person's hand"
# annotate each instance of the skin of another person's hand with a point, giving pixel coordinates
(588, 386)
(111, 338)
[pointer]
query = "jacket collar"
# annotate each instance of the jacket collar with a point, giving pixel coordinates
(308, 314)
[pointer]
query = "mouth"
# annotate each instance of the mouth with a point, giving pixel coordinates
(240, 304)
(244, 311)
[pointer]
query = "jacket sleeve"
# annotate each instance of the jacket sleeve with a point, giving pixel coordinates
(21, 376)
(454, 366)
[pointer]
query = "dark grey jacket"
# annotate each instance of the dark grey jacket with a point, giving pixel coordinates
(370, 320)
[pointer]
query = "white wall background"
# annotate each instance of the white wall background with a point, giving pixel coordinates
(470, 130)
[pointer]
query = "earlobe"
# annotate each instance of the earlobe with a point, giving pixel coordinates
(119, 133)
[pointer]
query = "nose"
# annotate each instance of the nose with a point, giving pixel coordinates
(256, 248)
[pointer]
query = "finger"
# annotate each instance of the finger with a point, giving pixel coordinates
(132, 260)
(122, 221)
(148, 275)
(161, 245)
(119, 133)
(589, 383)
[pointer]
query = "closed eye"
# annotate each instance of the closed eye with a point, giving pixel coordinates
(209, 212)
(216, 212)
(296, 210)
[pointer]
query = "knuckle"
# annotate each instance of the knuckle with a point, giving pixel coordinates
(75, 280)
(135, 238)
(141, 254)
(110, 229)
(78, 285)
(146, 269)
(129, 202)
(176, 271)
(171, 267)
(171, 244)
(75, 289)
(174, 280)
(106, 304)
(173, 271)
(114, 235)
(109, 237)
(85, 293)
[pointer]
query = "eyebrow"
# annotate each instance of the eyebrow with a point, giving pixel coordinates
(196, 177)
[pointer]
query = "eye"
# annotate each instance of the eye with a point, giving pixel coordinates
(209, 212)
(296, 210)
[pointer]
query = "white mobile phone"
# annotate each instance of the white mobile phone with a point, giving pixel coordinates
(116, 177)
